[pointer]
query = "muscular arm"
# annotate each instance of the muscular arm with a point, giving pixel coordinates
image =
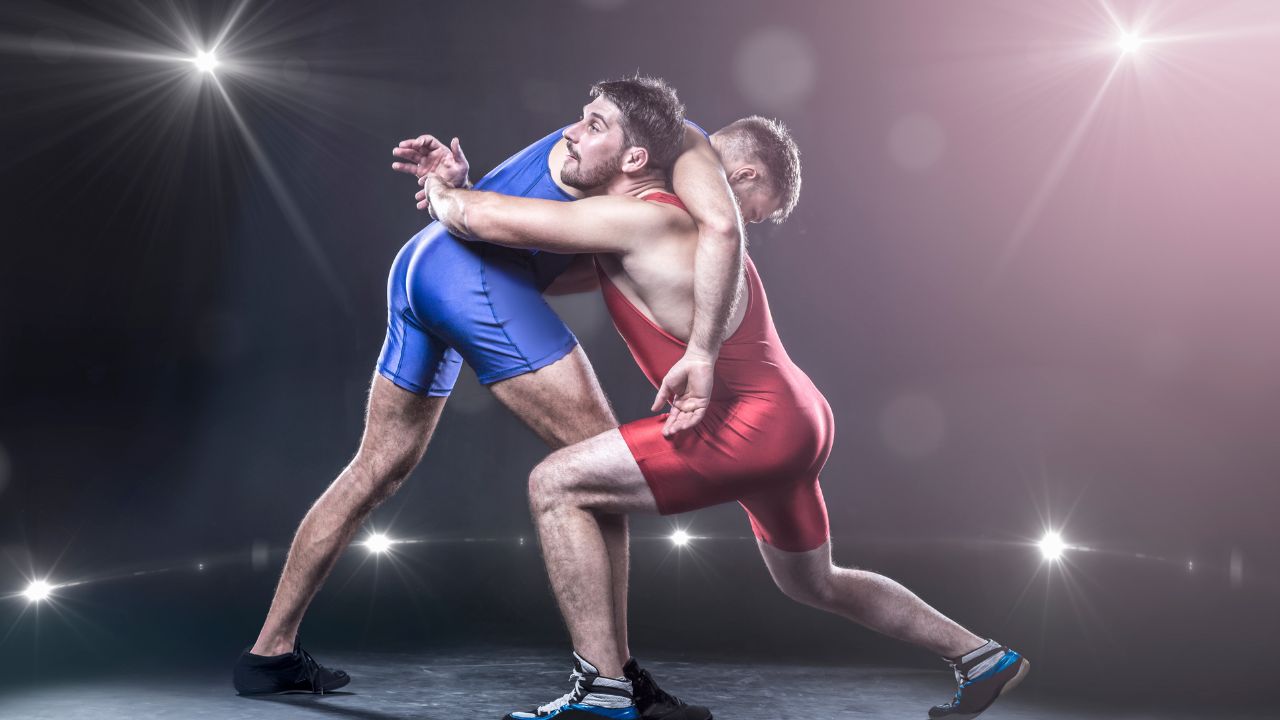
(595, 224)
(699, 180)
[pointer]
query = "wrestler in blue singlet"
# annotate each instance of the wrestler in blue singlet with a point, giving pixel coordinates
(450, 300)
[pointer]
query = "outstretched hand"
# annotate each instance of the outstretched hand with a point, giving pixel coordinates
(425, 155)
(687, 388)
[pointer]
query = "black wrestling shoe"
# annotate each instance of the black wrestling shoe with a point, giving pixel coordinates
(654, 703)
(982, 676)
(295, 672)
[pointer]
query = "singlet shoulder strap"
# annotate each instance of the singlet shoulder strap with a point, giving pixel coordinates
(665, 198)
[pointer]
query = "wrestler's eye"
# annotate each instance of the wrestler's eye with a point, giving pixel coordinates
(595, 126)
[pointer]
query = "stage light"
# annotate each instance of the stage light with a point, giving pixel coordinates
(1052, 546)
(38, 590)
(1129, 43)
(680, 538)
(205, 61)
(378, 543)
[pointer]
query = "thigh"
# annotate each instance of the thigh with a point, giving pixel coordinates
(791, 517)
(398, 424)
(562, 402)
(599, 474)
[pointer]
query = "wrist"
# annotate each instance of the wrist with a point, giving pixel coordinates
(700, 354)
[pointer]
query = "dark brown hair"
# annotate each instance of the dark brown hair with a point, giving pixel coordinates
(652, 116)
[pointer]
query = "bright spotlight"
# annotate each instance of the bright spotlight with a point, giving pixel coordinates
(1052, 546)
(1129, 43)
(378, 543)
(205, 61)
(680, 538)
(38, 590)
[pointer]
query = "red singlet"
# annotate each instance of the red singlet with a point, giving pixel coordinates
(764, 438)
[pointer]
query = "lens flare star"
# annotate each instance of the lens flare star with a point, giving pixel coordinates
(680, 538)
(38, 591)
(1129, 43)
(1052, 546)
(378, 543)
(206, 62)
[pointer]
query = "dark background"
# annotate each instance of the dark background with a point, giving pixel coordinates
(191, 306)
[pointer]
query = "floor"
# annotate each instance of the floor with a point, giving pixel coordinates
(489, 684)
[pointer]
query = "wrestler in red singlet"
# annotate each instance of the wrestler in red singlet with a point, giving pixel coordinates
(765, 435)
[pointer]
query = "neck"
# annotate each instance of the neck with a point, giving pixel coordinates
(634, 185)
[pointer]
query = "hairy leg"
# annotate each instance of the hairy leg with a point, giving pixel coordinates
(568, 493)
(398, 426)
(866, 598)
(564, 404)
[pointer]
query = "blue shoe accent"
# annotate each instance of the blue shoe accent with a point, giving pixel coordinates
(626, 713)
(1010, 657)
(974, 695)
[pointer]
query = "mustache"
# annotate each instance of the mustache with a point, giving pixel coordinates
(568, 146)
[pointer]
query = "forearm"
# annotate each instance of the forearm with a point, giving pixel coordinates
(717, 274)
(699, 179)
(475, 215)
(600, 224)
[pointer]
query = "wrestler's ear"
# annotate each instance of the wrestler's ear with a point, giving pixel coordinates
(743, 175)
(634, 159)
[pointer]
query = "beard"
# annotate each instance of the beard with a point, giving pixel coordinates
(589, 178)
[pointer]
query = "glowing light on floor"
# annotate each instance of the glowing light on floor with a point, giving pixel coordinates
(378, 543)
(38, 590)
(680, 538)
(1052, 546)
(205, 62)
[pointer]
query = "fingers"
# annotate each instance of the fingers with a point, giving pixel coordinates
(680, 421)
(423, 142)
(670, 423)
(456, 147)
(662, 398)
(408, 155)
(405, 168)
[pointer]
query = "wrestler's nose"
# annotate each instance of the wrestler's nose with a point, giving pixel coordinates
(571, 133)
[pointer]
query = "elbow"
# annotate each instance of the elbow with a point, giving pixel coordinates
(722, 230)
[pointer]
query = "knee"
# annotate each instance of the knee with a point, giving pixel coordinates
(550, 486)
(378, 473)
(816, 589)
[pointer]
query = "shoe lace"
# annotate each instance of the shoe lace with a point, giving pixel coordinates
(961, 680)
(647, 688)
(312, 669)
(574, 696)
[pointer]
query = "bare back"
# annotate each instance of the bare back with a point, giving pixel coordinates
(657, 273)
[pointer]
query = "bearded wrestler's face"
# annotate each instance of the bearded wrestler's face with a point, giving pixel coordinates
(596, 147)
